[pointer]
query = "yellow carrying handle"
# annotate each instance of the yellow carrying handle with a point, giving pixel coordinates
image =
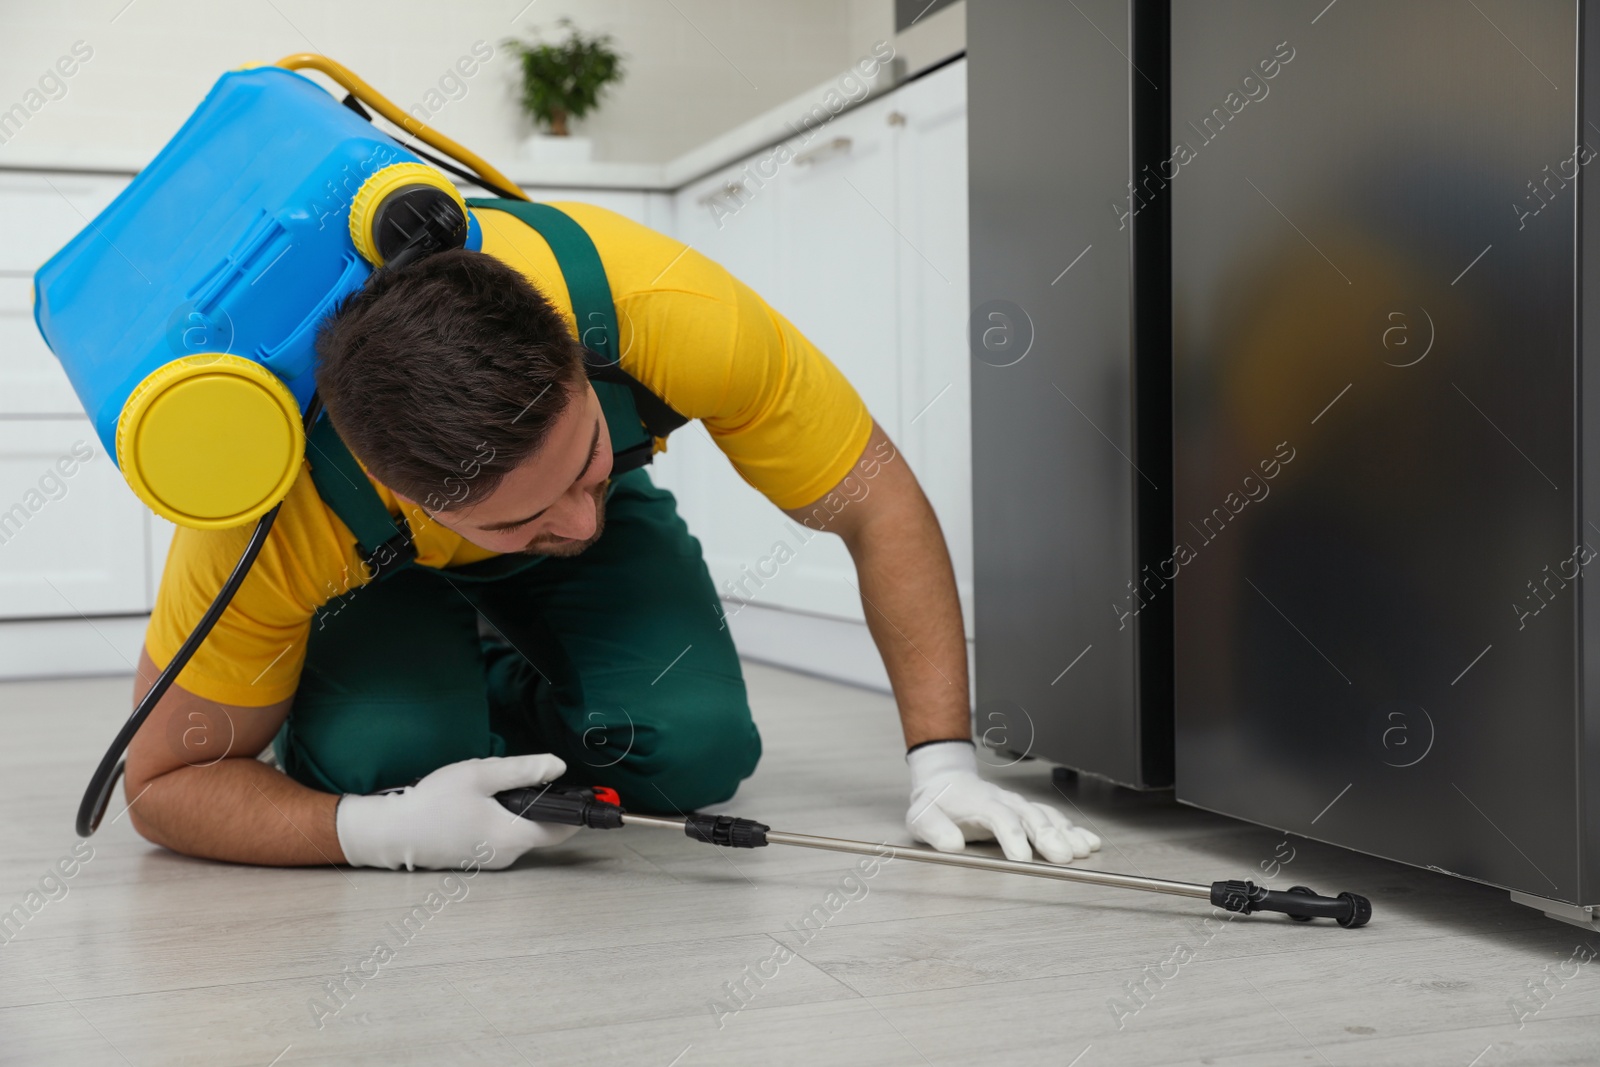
(381, 104)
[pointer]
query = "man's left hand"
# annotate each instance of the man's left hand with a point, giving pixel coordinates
(951, 805)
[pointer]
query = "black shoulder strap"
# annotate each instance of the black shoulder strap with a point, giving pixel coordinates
(634, 414)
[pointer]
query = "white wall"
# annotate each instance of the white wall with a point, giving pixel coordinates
(696, 67)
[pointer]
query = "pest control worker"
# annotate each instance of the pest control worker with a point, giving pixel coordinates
(488, 476)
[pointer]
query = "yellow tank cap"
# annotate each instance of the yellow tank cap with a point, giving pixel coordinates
(210, 441)
(364, 208)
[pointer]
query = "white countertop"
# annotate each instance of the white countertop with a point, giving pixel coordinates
(765, 129)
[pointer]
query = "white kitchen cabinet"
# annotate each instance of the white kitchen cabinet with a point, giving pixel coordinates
(733, 220)
(31, 380)
(72, 534)
(935, 426)
(39, 213)
(861, 242)
(635, 204)
(837, 245)
(42, 212)
(71, 545)
(158, 538)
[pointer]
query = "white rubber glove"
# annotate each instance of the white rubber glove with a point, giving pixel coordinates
(951, 805)
(442, 822)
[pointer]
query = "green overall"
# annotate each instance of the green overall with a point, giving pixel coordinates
(616, 660)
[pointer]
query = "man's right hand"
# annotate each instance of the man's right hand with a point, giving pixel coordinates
(194, 785)
(444, 820)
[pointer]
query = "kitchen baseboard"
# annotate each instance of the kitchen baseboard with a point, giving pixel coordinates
(70, 648)
(837, 649)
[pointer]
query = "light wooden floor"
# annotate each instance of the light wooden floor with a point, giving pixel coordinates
(611, 950)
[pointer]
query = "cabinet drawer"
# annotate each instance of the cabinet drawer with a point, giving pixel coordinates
(41, 212)
(72, 534)
(31, 380)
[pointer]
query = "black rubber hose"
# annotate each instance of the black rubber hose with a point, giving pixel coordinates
(97, 797)
(353, 104)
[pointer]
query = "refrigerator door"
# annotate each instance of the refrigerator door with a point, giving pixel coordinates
(1070, 460)
(1374, 357)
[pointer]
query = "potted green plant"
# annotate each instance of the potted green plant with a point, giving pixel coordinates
(563, 81)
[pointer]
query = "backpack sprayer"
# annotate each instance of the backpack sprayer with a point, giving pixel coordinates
(186, 317)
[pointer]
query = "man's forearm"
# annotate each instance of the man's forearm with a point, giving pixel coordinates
(907, 587)
(908, 591)
(240, 810)
(185, 795)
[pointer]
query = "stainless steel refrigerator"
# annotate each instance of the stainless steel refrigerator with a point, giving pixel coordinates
(1337, 250)
(1387, 429)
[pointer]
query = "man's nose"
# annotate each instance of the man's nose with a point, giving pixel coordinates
(576, 517)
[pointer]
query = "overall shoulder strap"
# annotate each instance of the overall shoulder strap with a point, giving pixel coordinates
(634, 414)
(344, 487)
(384, 542)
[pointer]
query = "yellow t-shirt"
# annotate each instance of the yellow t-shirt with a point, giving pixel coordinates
(692, 333)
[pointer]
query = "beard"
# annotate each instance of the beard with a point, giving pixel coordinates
(566, 546)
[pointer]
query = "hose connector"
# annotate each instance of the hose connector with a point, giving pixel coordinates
(725, 830)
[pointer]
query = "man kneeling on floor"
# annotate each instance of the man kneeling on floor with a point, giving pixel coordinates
(495, 450)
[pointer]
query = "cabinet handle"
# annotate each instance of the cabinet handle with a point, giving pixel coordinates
(730, 191)
(835, 147)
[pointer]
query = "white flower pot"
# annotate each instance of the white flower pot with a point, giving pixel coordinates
(542, 148)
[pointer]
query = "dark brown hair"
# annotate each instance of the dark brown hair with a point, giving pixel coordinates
(444, 375)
